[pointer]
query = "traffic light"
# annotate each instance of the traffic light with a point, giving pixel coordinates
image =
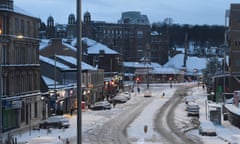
(137, 79)
(112, 83)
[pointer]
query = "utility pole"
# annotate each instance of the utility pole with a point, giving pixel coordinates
(1, 94)
(79, 70)
(185, 50)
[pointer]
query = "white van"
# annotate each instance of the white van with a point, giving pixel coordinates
(235, 139)
(43, 140)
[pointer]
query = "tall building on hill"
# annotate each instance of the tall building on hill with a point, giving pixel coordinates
(19, 69)
(134, 17)
(131, 37)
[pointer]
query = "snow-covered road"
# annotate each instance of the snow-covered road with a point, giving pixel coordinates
(92, 121)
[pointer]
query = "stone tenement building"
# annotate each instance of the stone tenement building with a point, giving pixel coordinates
(131, 37)
(19, 69)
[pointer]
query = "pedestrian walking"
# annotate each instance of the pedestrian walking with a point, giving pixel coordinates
(71, 111)
(138, 90)
(163, 94)
(114, 104)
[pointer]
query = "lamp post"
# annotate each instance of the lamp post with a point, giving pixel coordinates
(43, 107)
(1, 94)
(79, 69)
(55, 71)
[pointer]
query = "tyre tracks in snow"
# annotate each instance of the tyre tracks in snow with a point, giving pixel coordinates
(114, 131)
(164, 121)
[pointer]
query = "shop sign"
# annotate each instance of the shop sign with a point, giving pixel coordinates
(12, 104)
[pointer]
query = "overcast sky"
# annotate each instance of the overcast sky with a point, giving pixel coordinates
(181, 11)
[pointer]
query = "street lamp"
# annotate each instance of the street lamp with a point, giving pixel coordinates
(55, 71)
(43, 107)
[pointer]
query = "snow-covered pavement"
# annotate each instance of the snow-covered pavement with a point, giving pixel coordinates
(224, 131)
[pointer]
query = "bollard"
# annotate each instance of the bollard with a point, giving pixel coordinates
(145, 129)
(67, 141)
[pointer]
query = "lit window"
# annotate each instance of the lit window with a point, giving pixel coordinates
(1, 26)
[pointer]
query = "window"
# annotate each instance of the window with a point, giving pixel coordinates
(139, 34)
(22, 27)
(23, 112)
(28, 28)
(16, 26)
(3, 55)
(35, 109)
(237, 62)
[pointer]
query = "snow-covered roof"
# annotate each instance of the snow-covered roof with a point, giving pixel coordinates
(61, 27)
(73, 61)
(69, 46)
(53, 62)
(95, 47)
(191, 63)
(141, 65)
(47, 42)
(182, 50)
(49, 81)
(154, 33)
(233, 108)
(44, 43)
(164, 70)
(21, 11)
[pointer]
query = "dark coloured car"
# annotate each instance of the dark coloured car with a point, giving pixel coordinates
(58, 121)
(102, 105)
(192, 109)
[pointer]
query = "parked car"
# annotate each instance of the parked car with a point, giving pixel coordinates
(127, 94)
(119, 99)
(229, 101)
(45, 140)
(57, 121)
(235, 139)
(147, 93)
(192, 109)
(207, 128)
(101, 105)
(189, 99)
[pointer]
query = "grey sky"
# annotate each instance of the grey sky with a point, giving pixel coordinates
(181, 11)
